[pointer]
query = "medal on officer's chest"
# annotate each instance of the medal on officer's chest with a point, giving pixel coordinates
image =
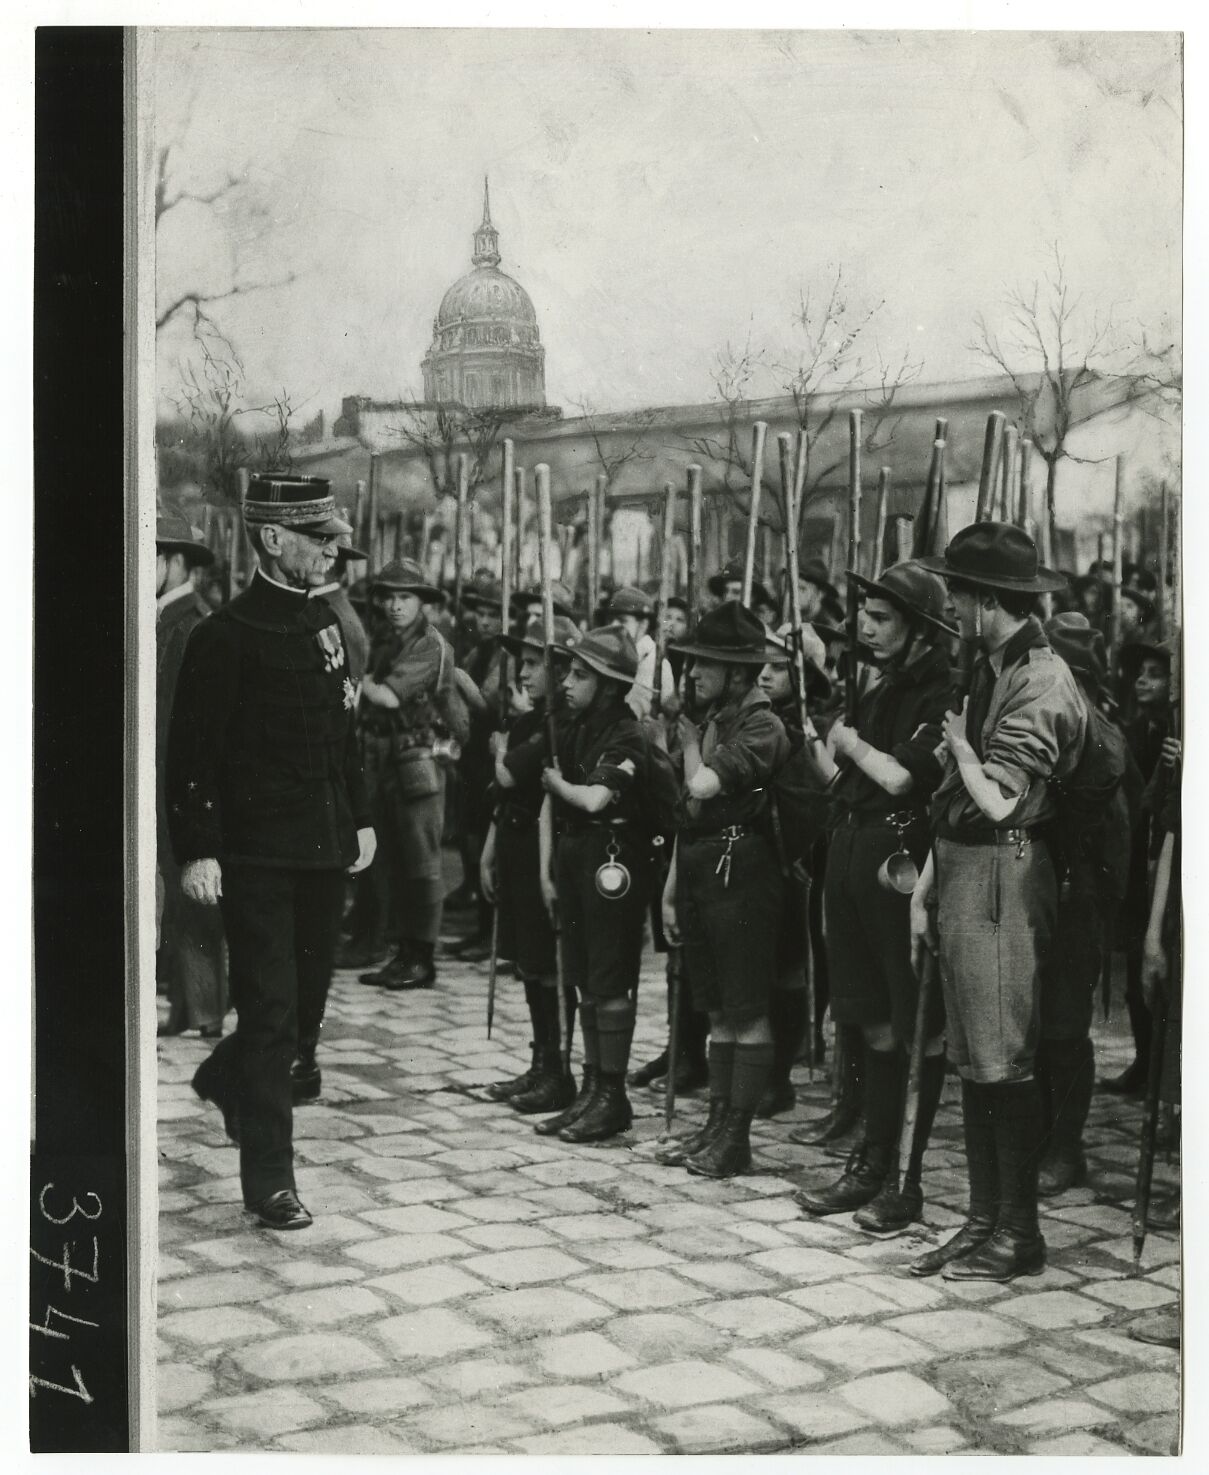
(613, 878)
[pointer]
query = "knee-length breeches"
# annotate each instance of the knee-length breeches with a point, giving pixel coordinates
(601, 936)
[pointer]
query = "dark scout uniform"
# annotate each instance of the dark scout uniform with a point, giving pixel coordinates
(729, 883)
(868, 927)
(264, 775)
(525, 933)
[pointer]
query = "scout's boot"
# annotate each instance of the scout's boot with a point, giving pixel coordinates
(728, 1151)
(505, 1090)
(674, 1154)
(377, 977)
(306, 1079)
(900, 1201)
(1070, 1073)
(843, 1119)
(859, 1183)
(869, 1164)
(788, 1019)
(552, 1087)
(418, 972)
(552, 1126)
(653, 1070)
(983, 1172)
(1016, 1247)
(606, 1114)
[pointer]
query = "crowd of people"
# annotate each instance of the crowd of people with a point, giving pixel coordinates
(945, 829)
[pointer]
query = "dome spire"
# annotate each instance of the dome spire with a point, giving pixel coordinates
(486, 238)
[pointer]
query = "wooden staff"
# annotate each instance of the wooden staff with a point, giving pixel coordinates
(506, 519)
(545, 540)
(906, 1140)
(758, 431)
(930, 533)
(521, 478)
(592, 532)
(878, 558)
(1011, 437)
(1164, 554)
(375, 513)
(459, 530)
(991, 448)
(694, 544)
(400, 534)
(902, 537)
(1118, 548)
(854, 562)
(791, 479)
(667, 587)
(1023, 501)
(231, 539)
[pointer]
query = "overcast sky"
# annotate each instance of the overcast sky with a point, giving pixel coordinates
(657, 194)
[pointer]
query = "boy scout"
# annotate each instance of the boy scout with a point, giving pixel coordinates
(599, 876)
(724, 895)
(510, 876)
(884, 771)
(994, 882)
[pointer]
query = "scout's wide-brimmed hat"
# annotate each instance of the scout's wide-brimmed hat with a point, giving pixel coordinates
(815, 571)
(566, 635)
(914, 591)
(730, 573)
(818, 683)
(630, 601)
(1079, 644)
(1144, 601)
(303, 503)
(609, 651)
(995, 555)
(483, 593)
(1134, 652)
(564, 600)
(731, 633)
(405, 576)
(174, 533)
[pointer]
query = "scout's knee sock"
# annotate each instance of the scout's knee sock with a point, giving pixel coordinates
(788, 1019)
(867, 1166)
(749, 1077)
(591, 1066)
(505, 1090)
(721, 1070)
(551, 1088)
(982, 1171)
(721, 1074)
(654, 1069)
(608, 1112)
(931, 1084)
(728, 1151)
(1067, 1082)
(899, 1204)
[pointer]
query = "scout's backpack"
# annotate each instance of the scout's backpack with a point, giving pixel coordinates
(1091, 832)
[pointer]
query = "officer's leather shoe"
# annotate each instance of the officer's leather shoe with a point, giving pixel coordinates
(728, 1152)
(552, 1089)
(505, 1090)
(1131, 1081)
(894, 1208)
(846, 1143)
(306, 1079)
(652, 1071)
(1060, 1171)
(378, 976)
(859, 1184)
(281, 1210)
(552, 1126)
(973, 1233)
(1003, 1257)
(417, 972)
(779, 1097)
(608, 1113)
(674, 1154)
(841, 1119)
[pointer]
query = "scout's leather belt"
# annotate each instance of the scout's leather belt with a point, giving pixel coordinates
(579, 826)
(1014, 836)
(727, 832)
(857, 819)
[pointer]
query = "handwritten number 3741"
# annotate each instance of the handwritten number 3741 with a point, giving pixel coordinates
(69, 1270)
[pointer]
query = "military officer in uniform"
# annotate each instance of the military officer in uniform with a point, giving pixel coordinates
(267, 812)
(724, 896)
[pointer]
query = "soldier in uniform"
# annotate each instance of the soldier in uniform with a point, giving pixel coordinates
(598, 804)
(724, 895)
(267, 812)
(887, 769)
(511, 879)
(192, 955)
(995, 885)
(409, 700)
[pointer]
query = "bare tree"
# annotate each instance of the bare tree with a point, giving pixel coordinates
(734, 371)
(614, 449)
(1047, 325)
(439, 431)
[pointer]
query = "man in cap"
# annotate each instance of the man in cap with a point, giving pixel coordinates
(726, 584)
(267, 812)
(724, 894)
(1021, 727)
(599, 877)
(635, 611)
(511, 873)
(1091, 845)
(191, 953)
(884, 770)
(409, 702)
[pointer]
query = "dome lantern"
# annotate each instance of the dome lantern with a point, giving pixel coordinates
(486, 238)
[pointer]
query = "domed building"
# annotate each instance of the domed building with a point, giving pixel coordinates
(486, 352)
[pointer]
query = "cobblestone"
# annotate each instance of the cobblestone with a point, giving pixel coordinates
(470, 1288)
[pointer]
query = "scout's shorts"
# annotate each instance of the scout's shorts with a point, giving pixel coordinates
(526, 935)
(601, 936)
(996, 914)
(729, 932)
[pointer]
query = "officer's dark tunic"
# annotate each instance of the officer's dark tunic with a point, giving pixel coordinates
(729, 884)
(868, 928)
(263, 775)
(602, 936)
(525, 931)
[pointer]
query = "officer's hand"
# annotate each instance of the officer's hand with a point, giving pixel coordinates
(367, 844)
(671, 927)
(1172, 751)
(201, 881)
(550, 897)
(1154, 969)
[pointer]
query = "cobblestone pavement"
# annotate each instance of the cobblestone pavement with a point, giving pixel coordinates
(470, 1287)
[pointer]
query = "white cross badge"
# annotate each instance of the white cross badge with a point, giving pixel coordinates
(350, 694)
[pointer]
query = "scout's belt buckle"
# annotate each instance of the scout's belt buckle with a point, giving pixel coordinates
(898, 872)
(730, 834)
(613, 878)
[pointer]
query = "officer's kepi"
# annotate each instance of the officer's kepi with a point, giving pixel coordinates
(304, 504)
